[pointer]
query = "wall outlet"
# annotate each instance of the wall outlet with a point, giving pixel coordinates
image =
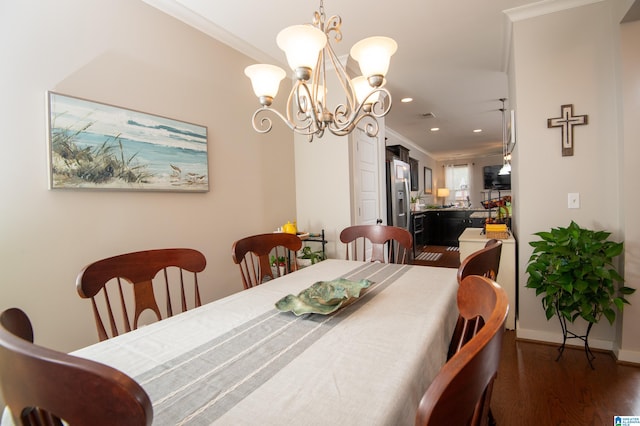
(574, 200)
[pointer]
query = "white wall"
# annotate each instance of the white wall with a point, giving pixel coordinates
(128, 54)
(323, 189)
(630, 35)
(566, 57)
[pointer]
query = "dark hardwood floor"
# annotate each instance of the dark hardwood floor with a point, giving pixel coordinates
(532, 388)
(447, 257)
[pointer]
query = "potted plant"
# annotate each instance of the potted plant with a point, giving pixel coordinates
(572, 269)
(309, 257)
(280, 263)
(415, 199)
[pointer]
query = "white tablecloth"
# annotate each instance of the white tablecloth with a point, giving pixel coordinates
(369, 364)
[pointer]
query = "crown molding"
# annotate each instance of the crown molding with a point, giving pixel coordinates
(177, 10)
(532, 10)
(544, 7)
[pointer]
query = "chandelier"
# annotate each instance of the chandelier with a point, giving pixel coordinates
(309, 54)
(506, 155)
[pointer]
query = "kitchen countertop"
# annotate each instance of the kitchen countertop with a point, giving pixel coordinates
(475, 213)
(449, 209)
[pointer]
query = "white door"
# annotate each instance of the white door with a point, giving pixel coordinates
(367, 185)
(366, 173)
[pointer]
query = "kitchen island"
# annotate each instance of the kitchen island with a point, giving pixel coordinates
(472, 239)
(443, 226)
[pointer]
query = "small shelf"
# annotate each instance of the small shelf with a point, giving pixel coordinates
(487, 197)
(316, 238)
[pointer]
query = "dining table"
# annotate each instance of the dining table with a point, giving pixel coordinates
(240, 361)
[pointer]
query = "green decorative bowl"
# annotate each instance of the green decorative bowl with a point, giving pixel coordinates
(323, 297)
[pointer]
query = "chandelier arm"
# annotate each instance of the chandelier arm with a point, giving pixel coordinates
(371, 128)
(333, 25)
(306, 107)
(383, 103)
(344, 121)
(303, 121)
(264, 124)
(343, 77)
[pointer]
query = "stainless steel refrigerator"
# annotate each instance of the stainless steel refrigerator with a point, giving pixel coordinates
(398, 195)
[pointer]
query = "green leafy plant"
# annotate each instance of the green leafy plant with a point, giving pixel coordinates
(417, 197)
(313, 256)
(279, 261)
(572, 268)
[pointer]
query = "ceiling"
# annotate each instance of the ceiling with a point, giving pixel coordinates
(451, 58)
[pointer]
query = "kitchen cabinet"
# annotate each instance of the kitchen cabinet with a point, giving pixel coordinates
(417, 231)
(443, 227)
(415, 180)
(472, 240)
(451, 225)
(399, 152)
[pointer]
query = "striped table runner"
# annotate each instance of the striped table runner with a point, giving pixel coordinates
(201, 385)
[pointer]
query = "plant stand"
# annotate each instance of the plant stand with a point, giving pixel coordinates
(566, 334)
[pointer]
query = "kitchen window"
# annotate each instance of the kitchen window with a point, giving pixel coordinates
(457, 179)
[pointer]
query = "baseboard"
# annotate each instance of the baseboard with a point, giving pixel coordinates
(627, 357)
(623, 356)
(548, 337)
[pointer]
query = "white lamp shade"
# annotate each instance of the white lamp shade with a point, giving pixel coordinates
(265, 79)
(301, 44)
(363, 88)
(505, 170)
(373, 54)
(443, 192)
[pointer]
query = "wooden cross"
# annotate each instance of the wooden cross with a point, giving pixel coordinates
(567, 120)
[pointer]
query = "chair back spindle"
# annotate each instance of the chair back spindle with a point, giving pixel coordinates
(389, 244)
(253, 255)
(134, 274)
(484, 262)
(461, 392)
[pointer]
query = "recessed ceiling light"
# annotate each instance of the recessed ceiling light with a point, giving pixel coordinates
(477, 130)
(405, 100)
(435, 129)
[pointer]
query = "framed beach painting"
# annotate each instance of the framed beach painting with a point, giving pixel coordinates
(98, 146)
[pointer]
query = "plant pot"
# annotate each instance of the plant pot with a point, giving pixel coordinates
(278, 271)
(303, 262)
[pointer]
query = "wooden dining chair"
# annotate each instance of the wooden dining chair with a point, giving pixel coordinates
(16, 321)
(461, 392)
(253, 255)
(128, 279)
(40, 386)
(484, 262)
(389, 244)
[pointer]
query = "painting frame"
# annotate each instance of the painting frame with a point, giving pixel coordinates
(511, 132)
(428, 181)
(98, 146)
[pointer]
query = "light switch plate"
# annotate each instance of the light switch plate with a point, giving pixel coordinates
(574, 200)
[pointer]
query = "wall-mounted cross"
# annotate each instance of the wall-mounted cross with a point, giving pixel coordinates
(567, 120)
